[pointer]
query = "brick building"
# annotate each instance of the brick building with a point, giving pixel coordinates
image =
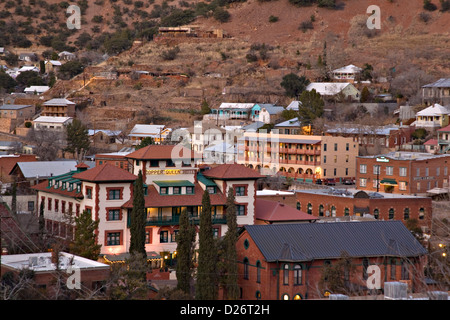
(287, 261)
(328, 203)
(402, 172)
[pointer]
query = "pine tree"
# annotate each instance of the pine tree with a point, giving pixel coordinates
(185, 253)
(41, 223)
(138, 218)
(207, 254)
(230, 253)
(77, 139)
(85, 244)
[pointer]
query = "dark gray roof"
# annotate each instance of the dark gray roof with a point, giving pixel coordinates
(308, 241)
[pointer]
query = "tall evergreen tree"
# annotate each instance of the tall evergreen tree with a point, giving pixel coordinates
(230, 253)
(41, 223)
(207, 255)
(138, 218)
(77, 139)
(311, 106)
(185, 253)
(85, 244)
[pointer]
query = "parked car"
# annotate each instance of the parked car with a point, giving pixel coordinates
(330, 182)
(319, 181)
(349, 181)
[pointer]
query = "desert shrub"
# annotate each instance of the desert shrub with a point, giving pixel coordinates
(429, 6)
(306, 25)
(170, 54)
(221, 15)
(273, 19)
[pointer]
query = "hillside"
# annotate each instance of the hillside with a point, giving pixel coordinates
(412, 41)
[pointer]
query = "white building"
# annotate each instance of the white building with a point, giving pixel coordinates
(347, 73)
(52, 123)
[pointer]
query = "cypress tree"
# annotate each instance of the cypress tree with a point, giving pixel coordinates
(185, 253)
(85, 244)
(230, 253)
(41, 222)
(207, 254)
(138, 218)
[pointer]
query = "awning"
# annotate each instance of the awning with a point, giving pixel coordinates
(174, 183)
(388, 181)
(121, 257)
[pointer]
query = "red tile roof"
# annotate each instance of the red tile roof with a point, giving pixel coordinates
(104, 173)
(273, 211)
(231, 172)
(446, 129)
(154, 152)
(431, 142)
(156, 200)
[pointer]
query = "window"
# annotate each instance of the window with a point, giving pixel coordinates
(148, 235)
(376, 183)
(321, 210)
(405, 270)
(376, 213)
(325, 147)
(88, 192)
(389, 171)
(31, 206)
(173, 236)
(113, 214)
(309, 208)
(402, 171)
(421, 213)
(164, 236)
(402, 185)
(347, 146)
(324, 159)
(258, 271)
(299, 206)
(335, 159)
(211, 190)
(346, 212)
(376, 169)
(335, 147)
(189, 190)
(365, 264)
(163, 190)
(286, 274)
(297, 274)
(154, 163)
(176, 190)
(114, 194)
(406, 214)
(393, 269)
(333, 211)
(362, 182)
(362, 168)
(113, 238)
(240, 191)
(240, 210)
(246, 268)
(56, 205)
(391, 213)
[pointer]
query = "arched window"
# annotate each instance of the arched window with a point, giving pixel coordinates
(321, 210)
(309, 208)
(258, 295)
(298, 296)
(258, 271)
(391, 213)
(299, 206)
(346, 212)
(246, 268)
(333, 211)
(365, 263)
(297, 274)
(421, 213)
(406, 214)
(376, 213)
(286, 274)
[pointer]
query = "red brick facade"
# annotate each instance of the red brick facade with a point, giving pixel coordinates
(302, 280)
(401, 175)
(388, 208)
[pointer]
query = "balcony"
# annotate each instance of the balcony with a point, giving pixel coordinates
(175, 220)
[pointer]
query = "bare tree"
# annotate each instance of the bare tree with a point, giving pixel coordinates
(48, 142)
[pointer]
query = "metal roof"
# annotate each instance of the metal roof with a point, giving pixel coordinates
(308, 241)
(174, 183)
(45, 169)
(441, 83)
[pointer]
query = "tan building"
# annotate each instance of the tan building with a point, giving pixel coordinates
(58, 108)
(301, 157)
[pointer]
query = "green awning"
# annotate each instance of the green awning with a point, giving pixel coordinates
(207, 182)
(388, 181)
(174, 183)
